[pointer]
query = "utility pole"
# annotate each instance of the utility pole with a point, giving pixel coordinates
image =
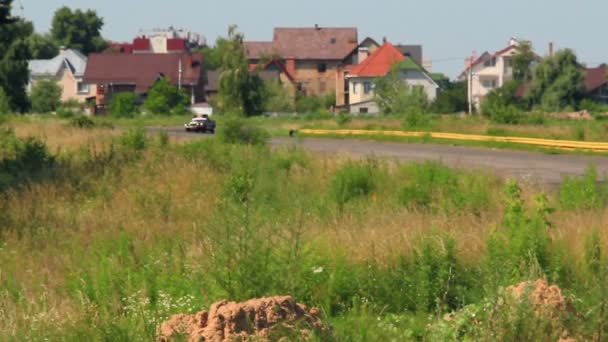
(179, 77)
(470, 85)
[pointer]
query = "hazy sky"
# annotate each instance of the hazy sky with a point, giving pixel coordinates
(448, 29)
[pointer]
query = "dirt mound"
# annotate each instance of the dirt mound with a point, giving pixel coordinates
(581, 115)
(256, 318)
(540, 294)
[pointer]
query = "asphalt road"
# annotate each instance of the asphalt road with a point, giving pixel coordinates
(537, 167)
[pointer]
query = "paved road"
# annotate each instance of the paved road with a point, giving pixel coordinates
(538, 167)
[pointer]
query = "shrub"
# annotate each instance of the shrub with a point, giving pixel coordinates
(5, 107)
(238, 131)
(343, 118)
(164, 96)
(135, 139)
(123, 105)
(82, 121)
(277, 98)
(45, 96)
(308, 104)
(66, 112)
(163, 138)
(415, 119)
(352, 181)
(583, 192)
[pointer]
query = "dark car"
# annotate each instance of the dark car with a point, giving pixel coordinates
(201, 124)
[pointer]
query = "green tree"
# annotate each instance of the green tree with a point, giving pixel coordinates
(557, 82)
(5, 107)
(502, 106)
(240, 92)
(522, 62)
(42, 46)
(277, 98)
(45, 96)
(164, 97)
(123, 105)
(395, 96)
(452, 99)
(14, 54)
(80, 30)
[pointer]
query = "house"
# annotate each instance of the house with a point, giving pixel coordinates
(115, 73)
(212, 80)
(363, 76)
(169, 40)
(596, 83)
(67, 69)
(489, 71)
(312, 56)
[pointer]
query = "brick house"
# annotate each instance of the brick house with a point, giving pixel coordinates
(113, 73)
(315, 57)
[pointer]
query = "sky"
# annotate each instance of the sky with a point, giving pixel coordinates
(448, 30)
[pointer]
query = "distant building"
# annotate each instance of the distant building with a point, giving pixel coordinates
(362, 77)
(161, 41)
(67, 69)
(113, 73)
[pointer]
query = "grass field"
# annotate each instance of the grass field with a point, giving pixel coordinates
(115, 231)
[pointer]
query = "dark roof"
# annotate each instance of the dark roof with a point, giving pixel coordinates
(412, 51)
(142, 70)
(595, 77)
(314, 43)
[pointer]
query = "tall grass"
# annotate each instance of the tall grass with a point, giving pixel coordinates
(136, 230)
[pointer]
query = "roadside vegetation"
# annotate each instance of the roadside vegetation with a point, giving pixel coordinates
(105, 237)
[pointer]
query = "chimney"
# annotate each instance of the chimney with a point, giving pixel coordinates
(384, 40)
(550, 49)
(317, 27)
(290, 65)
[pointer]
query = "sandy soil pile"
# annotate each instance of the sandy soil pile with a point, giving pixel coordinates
(256, 318)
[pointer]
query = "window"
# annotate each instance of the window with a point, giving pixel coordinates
(82, 88)
(355, 87)
(490, 62)
(367, 87)
(322, 67)
(490, 84)
(363, 110)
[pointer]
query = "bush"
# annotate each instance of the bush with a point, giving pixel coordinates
(277, 98)
(501, 105)
(123, 105)
(45, 96)
(5, 107)
(135, 139)
(415, 119)
(82, 121)
(583, 192)
(343, 118)
(352, 181)
(66, 112)
(163, 97)
(238, 131)
(308, 104)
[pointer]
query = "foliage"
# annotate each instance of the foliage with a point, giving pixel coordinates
(501, 105)
(593, 107)
(79, 30)
(42, 46)
(353, 181)
(278, 98)
(14, 56)
(238, 131)
(522, 62)
(45, 96)
(5, 107)
(135, 139)
(163, 97)
(82, 121)
(213, 54)
(395, 96)
(557, 82)
(123, 105)
(21, 159)
(583, 192)
(343, 118)
(452, 99)
(240, 92)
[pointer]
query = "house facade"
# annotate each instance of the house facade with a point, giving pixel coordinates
(314, 57)
(137, 73)
(596, 83)
(489, 71)
(362, 78)
(67, 69)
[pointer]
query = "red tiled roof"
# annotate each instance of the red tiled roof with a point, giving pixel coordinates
(595, 77)
(313, 43)
(176, 44)
(142, 70)
(379, 63)
(141, 44)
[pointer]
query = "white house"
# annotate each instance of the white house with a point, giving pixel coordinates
(362, 77)
(489, 71)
